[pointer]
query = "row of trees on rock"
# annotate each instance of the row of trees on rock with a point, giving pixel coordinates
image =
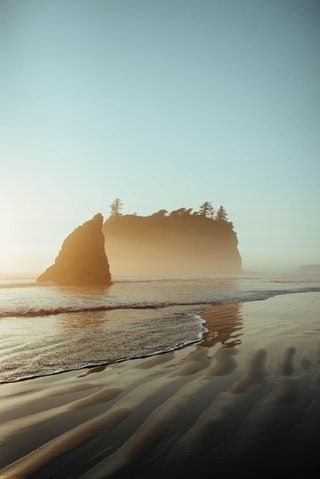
(206, 210)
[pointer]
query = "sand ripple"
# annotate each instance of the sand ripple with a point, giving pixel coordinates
(249, 394)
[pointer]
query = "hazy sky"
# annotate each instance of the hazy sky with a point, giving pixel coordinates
(164, 103)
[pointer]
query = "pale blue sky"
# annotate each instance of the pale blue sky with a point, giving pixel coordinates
(164, 103)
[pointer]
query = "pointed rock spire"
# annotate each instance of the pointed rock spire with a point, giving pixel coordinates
(82, 260)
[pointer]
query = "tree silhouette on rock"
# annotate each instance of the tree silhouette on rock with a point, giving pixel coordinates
(206, 209)
(181, 212)
(116, 208)
(222, 214)
(160, 213)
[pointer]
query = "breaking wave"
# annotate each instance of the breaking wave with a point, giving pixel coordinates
(237, 297)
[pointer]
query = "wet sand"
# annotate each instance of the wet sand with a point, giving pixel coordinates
(246, 396)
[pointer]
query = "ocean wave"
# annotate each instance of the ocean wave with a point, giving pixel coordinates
(30, 284)
(92, 364)
(64, 310)
(31, 281)
(235, 298)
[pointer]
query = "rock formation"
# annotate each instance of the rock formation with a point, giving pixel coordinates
(310, 268)
(82, 260)
(182, 245)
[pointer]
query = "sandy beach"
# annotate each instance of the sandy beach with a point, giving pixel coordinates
(159, 239)
(247, 395)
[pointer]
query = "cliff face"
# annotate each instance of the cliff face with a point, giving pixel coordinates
(82, 259)
(171, 245)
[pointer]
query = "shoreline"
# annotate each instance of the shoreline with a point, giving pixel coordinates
(156, 353)
(223, 400)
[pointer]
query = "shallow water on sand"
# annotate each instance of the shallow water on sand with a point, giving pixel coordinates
(49, 329)
(246, 398)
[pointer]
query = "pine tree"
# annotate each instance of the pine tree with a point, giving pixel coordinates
(116, 208)
(206, 209)
(222, 214)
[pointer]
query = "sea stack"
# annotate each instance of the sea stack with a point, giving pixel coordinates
(310, 268)
(172, 245)
(82, 260)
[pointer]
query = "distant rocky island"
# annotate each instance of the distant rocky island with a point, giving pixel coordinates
(82, 260)
(177, 243)
(182, 242)
(310, 267)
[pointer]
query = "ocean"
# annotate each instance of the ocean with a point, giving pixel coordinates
(50, 329)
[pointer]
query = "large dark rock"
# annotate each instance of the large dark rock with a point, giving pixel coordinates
(180, 245)
(82, 259)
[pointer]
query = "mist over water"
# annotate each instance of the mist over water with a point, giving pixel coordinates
(48, 329)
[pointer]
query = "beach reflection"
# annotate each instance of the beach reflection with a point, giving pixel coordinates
(224, 324)
(81, 321)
